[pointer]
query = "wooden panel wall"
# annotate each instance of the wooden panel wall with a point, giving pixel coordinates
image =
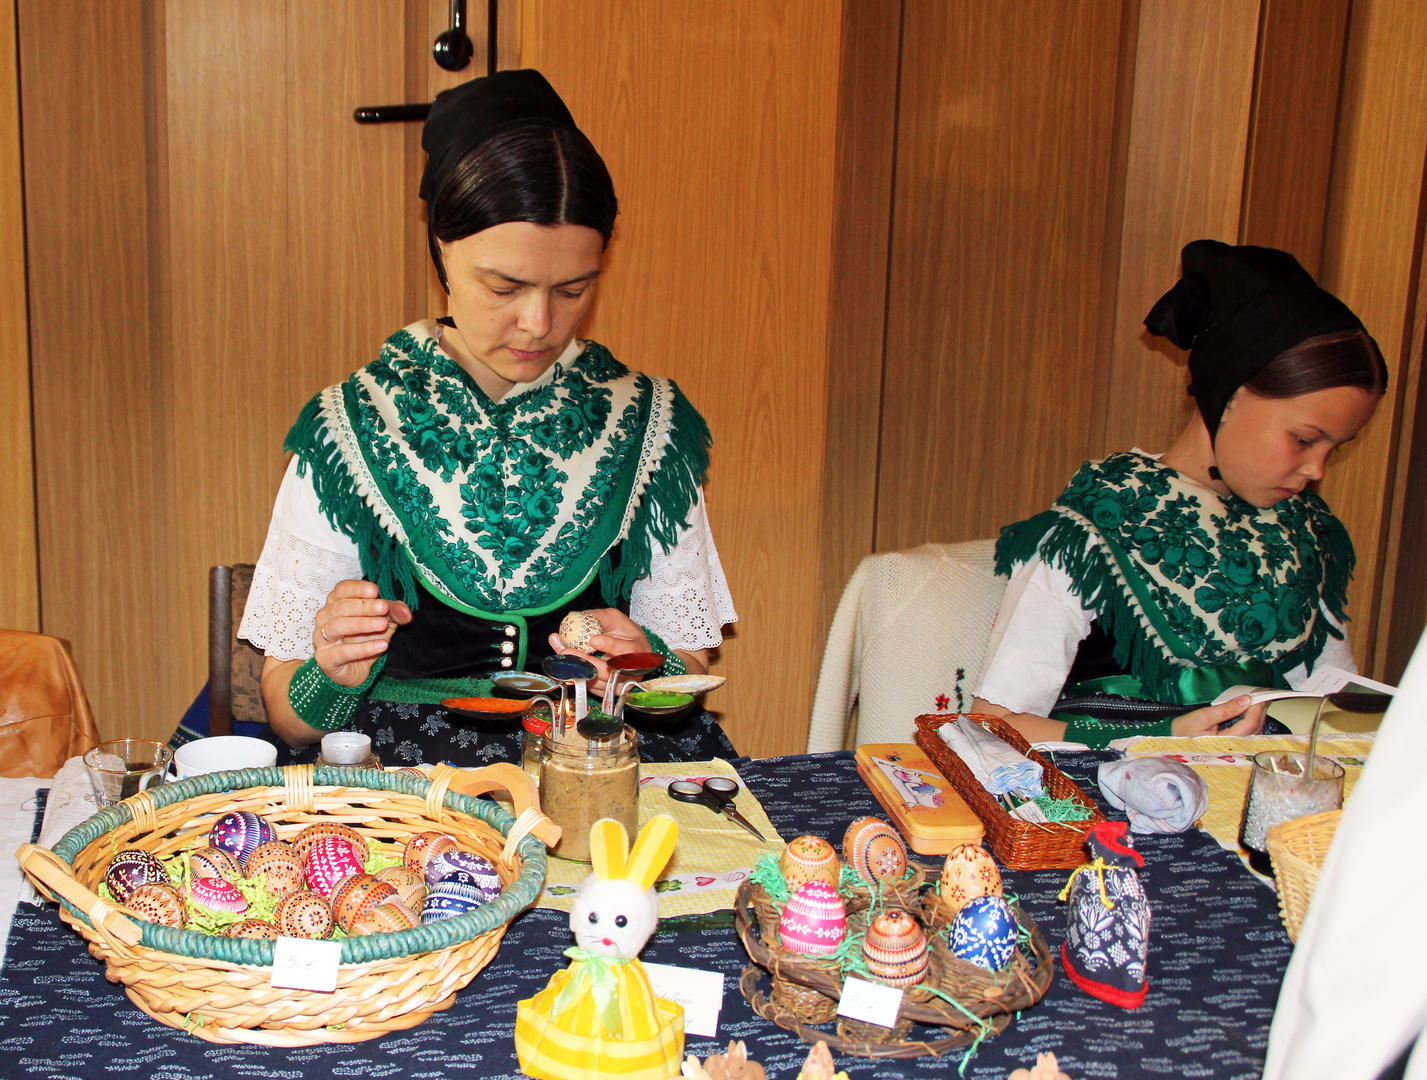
(19, 573)
(718, 123)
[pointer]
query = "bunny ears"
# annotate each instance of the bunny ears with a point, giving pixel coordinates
(612, 859)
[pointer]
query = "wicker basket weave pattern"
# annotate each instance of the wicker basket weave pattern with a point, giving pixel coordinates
(1298, 848)
(219, 988)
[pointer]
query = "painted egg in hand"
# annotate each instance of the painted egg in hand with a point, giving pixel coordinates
(158, 903)
(214, 862)
(875, 850)
(217, 895)
(275, 864)
(238, 832)
(984, 933)
(131, 868)
(809, 858)
(422, 848)
(305, 915)
(968, 874)
(576, 629)
(479, 869)
(814, 921)
(303, 842)
(330, 861)
(895, 950)
(410, 889)
(355, 896)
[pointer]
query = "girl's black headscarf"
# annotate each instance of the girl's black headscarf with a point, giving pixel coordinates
(1237, 308)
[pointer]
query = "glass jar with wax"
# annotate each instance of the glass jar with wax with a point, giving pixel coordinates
(582, 780)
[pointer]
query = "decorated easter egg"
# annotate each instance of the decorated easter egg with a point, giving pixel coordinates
(158, 903)
(304, 914)
(875, 850)
(275, 865)
(423, 847)
(329, 861)
(253, 928)
(410, 889)
(214, 862)
(814, 921)
(895, 950)
(449, 898)
(303, 841)
(577, 628)
(809, 858)
(356, 895)
(984, 932)
(217, 895)
(481, 871)
(385, 919)
(238, 832)
(131, 868)
(969, 873)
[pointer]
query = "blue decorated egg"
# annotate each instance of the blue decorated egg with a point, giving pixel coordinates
(984, 933)
(239, 832)
(474, 870)
(447, 899)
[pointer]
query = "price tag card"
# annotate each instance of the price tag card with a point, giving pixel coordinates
(870, 1002)
(699, 992)
(300, 964)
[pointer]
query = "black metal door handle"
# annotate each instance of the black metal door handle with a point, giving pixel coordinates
(452, 51)
(453, 48)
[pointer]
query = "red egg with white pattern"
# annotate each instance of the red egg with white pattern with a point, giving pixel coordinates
(814, 920)
(217, 895)
(330, 861)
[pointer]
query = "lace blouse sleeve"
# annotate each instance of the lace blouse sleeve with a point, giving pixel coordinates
(685, 598)
(303, 559)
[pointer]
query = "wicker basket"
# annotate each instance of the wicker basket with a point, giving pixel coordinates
(904, 894)
(1298, 848)
(1021, 845)
(220, 988)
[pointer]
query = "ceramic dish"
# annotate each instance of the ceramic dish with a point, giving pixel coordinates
(684, 684)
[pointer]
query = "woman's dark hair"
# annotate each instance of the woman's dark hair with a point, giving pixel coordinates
(1345, 358)
(532, 171)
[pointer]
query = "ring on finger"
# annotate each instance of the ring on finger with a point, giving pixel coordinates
(324, 636)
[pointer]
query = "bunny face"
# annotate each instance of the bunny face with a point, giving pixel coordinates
(613, 918)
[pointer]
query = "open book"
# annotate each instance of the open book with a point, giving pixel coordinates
(1325, 680)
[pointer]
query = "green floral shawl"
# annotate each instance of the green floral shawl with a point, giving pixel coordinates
(1180, 578)
(501, 507)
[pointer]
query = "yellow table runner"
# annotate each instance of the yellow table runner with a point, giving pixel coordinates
(1225, 761)
(713, 856)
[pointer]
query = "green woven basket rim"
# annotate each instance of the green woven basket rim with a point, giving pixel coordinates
(364, 949)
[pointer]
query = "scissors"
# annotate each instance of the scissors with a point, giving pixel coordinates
(717, 794)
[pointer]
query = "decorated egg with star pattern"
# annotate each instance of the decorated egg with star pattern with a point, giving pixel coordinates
(131, 868)
(239, 832)
(814, 921)
(968, 874)
(304, 914)
(875, 850)
(809, 858)
(984, 932)
(275, 864)
(423, 847)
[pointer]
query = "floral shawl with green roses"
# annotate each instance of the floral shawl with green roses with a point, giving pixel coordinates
(1181, 578)
(502, 507)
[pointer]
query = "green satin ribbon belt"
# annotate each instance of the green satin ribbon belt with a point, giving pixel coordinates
(596, 975)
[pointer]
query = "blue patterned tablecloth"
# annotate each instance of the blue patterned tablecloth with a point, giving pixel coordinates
(1218, 953)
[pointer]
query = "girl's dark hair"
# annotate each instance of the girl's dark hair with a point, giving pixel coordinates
(532, 171)
(1344, 358)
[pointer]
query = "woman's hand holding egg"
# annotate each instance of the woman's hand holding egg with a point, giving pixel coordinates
(353, 629)
(619, 634)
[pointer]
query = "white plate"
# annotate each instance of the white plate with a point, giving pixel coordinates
(684, 684)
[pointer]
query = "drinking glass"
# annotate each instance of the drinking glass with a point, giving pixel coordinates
(125, 767)
(1278, 791)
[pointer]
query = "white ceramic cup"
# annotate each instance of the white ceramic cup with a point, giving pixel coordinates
(223, 752)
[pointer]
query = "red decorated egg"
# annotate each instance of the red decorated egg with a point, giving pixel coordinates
(131, 868)
(158, 903)
(875, 850)
(238, 832)
(969, 873)
(814, 920)
(330, 860)
(895, 950)
(217, 895)
(386, 918)
(253, 928)
(410, 889)
(809, 858)
(355, 896)
(302, 843)
(275, 864)
(305, 915)
(215, 863)
(423, 847)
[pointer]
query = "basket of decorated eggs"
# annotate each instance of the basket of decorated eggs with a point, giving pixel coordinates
(965, 956)
(189, 891)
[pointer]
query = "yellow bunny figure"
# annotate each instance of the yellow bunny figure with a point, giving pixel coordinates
(600, 1017)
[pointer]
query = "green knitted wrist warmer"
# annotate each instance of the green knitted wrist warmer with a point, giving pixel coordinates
(321, 703)
(1098, 734)
(673, 662)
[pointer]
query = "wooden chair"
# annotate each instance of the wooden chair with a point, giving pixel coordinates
(235, 668)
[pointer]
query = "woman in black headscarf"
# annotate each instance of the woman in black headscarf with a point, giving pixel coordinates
(489, 471)
(1154, 583)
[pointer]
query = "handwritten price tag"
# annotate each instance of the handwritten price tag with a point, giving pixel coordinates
(699, 992)
(299, 964)
(869, 1002)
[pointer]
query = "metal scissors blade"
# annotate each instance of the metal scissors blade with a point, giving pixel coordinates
(717, 794)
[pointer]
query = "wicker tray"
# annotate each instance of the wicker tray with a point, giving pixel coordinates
(219, 988)
(1298, 848)
(1021, 845)
(992, 996)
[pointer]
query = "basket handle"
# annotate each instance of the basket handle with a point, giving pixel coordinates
(524, 795)
(51, 874)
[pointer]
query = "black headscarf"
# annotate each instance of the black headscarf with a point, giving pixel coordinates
(464, 115)
(1237, 308)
